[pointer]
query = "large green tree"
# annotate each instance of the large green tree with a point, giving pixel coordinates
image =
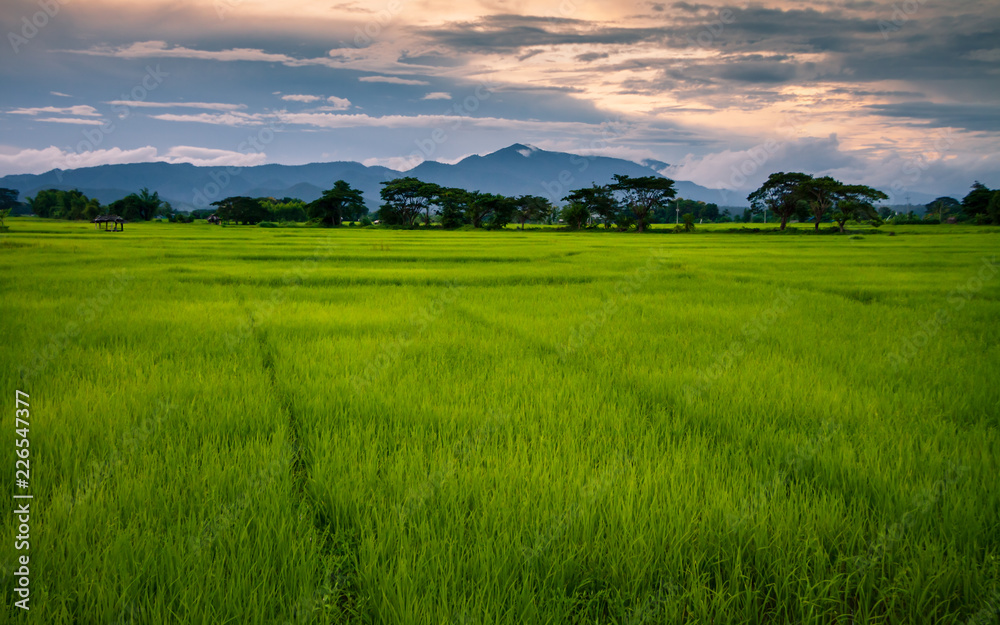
(530, 208)
(780, 194)
(575, 214)
(8, 198)
(977, 202)
(822, 195)
(241, 209)
(339, 204)
(403, 199)
(59, 204)
(138, 206)
(490, 210)
(994, 208)
(943, 206)
(599, 201)
(643, 195)
(454, 205)
(857, 202)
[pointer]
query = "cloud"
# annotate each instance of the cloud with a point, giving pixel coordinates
(209, 157)
(301, 98)
(394, 80)
(33, 161)
(87, 111)
(161, 49)
(967, 116)
(79, 121)
(437, 95)
(445, 122)
(398, 163)
(986, 56)
(745, 170)
(61, 95)
(431, 60)
(507, 33)
(337, 104)
(233, 118)
(212, 106)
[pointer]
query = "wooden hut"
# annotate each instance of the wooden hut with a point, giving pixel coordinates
(214, 219)
(109, 219)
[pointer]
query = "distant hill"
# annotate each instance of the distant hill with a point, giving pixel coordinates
(515, 170)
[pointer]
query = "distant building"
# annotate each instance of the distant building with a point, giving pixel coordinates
(109, 219)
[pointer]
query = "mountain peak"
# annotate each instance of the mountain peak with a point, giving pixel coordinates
(524, 149)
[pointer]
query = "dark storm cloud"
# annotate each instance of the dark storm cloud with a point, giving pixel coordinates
(967, 116)
(431, 60)
(507, 33)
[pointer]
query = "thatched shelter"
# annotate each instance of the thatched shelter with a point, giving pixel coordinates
(109, 219)
(214, 219)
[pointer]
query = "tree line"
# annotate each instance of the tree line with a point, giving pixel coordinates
(409, 202)
(627, 203)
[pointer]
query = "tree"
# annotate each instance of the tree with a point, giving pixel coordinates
(286, 209)
(822, 194)
(241, 209)
(644, 195)
(8, 199)
(490, 210)
(136, 206)
(977, 202)
(994, 208)
(688, 219)
(708, 212)
(781, 194)
(599, 201)
(943, 206)
(92, 209)
(454, 204)
(575, 214)
(148, 205)
(338, 204)
(58, 204)
(403, 199)
(856, 201)
(530, 208)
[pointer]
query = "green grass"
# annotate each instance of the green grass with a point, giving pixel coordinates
(247, 425)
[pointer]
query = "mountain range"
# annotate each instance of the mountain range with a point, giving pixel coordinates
(516, 170)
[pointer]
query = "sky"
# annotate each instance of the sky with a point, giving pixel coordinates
(903, 96)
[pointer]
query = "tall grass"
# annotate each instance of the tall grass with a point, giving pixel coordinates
(322, 426)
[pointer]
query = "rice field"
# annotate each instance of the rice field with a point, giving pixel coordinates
(303, 426)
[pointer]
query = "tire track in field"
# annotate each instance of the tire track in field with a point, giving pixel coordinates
(300, 473)
(338, 586)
